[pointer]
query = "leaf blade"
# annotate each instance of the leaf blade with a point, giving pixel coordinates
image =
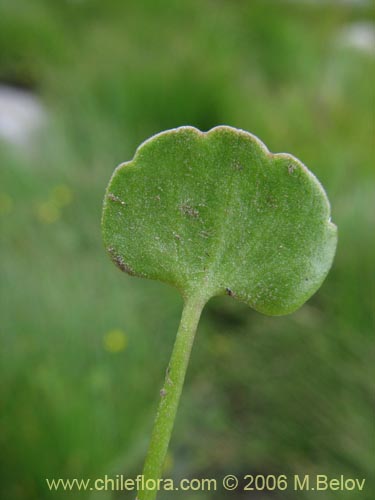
(216, 212)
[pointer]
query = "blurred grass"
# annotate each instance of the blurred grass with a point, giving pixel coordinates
(280, 395)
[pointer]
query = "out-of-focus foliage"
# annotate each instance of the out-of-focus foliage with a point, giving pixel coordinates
(81, 362)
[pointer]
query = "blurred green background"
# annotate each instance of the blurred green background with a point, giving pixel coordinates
(83, 346)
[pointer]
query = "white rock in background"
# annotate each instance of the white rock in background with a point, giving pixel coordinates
(359, 35)
(21, 115)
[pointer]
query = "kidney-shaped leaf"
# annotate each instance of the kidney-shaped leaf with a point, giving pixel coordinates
(216, 212)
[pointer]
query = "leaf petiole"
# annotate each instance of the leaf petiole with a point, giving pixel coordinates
(170, 396)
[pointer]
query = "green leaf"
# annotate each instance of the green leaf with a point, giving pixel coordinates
(214, 213)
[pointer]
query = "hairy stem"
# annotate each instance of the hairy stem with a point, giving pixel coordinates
(170, 396)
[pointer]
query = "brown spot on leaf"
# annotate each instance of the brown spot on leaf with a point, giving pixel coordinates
(119, 261)
(237, 166)
(189, 211)
(291, 168)
(116, 199)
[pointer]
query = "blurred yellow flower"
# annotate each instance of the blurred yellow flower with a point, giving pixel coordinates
(50, 211)
(47, 212)
(115, 340)
(62, 195)
(6, 204)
